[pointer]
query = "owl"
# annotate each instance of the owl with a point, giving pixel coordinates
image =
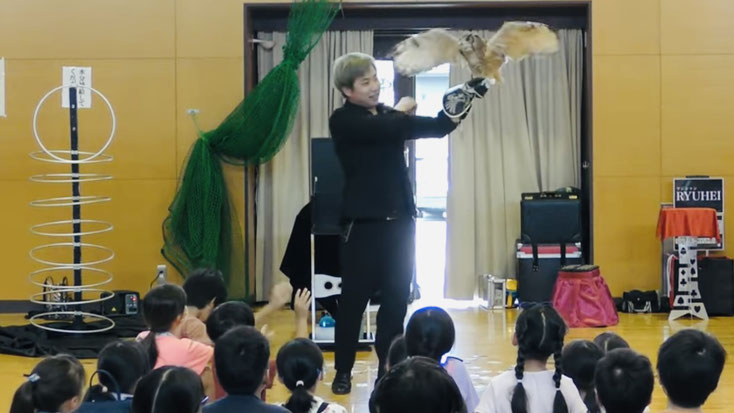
(514, 40)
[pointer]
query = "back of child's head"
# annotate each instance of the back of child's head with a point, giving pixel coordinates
(397, 352)
(54, 382)
(624, 381)
(204, 285)
(169, 389)
(300, 364)
(241, 358)
(120, 365)
(417, 384)
(539, 331)
(430, 333)
(161, 307)
(228, 315)
(689, 366)
(579, 362)
(608, 341)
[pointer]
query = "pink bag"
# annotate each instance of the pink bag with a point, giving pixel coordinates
(582, 297)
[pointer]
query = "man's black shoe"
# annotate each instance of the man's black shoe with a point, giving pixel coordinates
(342, 383)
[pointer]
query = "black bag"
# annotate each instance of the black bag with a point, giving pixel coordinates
(637, 301)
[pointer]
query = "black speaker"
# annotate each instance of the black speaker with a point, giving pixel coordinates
(123, 302)
(327, 187)
(716, 283)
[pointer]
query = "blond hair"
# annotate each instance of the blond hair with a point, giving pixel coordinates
(347, 68)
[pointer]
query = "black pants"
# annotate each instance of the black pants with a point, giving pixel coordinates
(375, 256)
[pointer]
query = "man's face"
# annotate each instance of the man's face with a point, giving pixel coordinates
(365, 90)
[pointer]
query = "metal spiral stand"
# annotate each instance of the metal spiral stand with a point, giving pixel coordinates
(64, 302)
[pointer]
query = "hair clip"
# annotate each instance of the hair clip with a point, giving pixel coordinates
(33, 377)
(300, 383)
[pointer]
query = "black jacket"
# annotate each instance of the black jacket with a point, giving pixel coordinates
(370, 149)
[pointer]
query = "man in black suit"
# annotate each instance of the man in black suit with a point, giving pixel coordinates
(378, 243)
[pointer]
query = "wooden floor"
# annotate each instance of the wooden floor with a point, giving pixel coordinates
(483, 340)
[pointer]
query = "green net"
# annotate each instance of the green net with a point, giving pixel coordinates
(201, 229)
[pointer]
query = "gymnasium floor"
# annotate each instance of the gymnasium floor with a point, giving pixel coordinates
(483, 341)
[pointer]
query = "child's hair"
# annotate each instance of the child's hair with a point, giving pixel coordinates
(608, 341)
(51, 383)
(418, 384)
(204, 285)
(430, 333)
(241, 358)
(397, 352)
(539, 331)
(624, 381)
(161, 306)
(169, 389)
(228, 315)
(579, 361)
(689, 366)
(299, 363)
(120, 365)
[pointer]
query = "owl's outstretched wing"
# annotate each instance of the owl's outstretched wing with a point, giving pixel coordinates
(425, 51)
(518, 40)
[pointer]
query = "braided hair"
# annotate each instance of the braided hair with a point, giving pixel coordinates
(539, 331)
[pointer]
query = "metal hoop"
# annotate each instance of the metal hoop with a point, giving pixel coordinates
(69, 177)
(71, 244)
(41, 156)
(107, 280)
(62, 160)
(71, 289)
(36, 228)
(74, 200)
(34, 320)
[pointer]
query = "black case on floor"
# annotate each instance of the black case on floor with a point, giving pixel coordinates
(716, 283)
(537, 286)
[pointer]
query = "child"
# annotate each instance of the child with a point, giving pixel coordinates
(579, 363)
(430, 333)
(205, 289)
(169, 389)
(119, 367)
(417, 384)
(300, 368)
(241, 357)
(163, 311)
(530, 387)
(396, 353)
(232, 314)
(624, 381)
(54, 385)
(689, 366)
(608, 341)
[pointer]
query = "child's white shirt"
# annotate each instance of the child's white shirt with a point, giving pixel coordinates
(539, 388)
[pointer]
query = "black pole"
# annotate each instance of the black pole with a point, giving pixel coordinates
(76, 208)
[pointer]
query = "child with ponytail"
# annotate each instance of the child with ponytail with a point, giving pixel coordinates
(300, 368)
(54, 385)
(164, 309)
(530, 387)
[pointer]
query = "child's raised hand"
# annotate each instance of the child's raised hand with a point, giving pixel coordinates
(280, 295)
(302, 303)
